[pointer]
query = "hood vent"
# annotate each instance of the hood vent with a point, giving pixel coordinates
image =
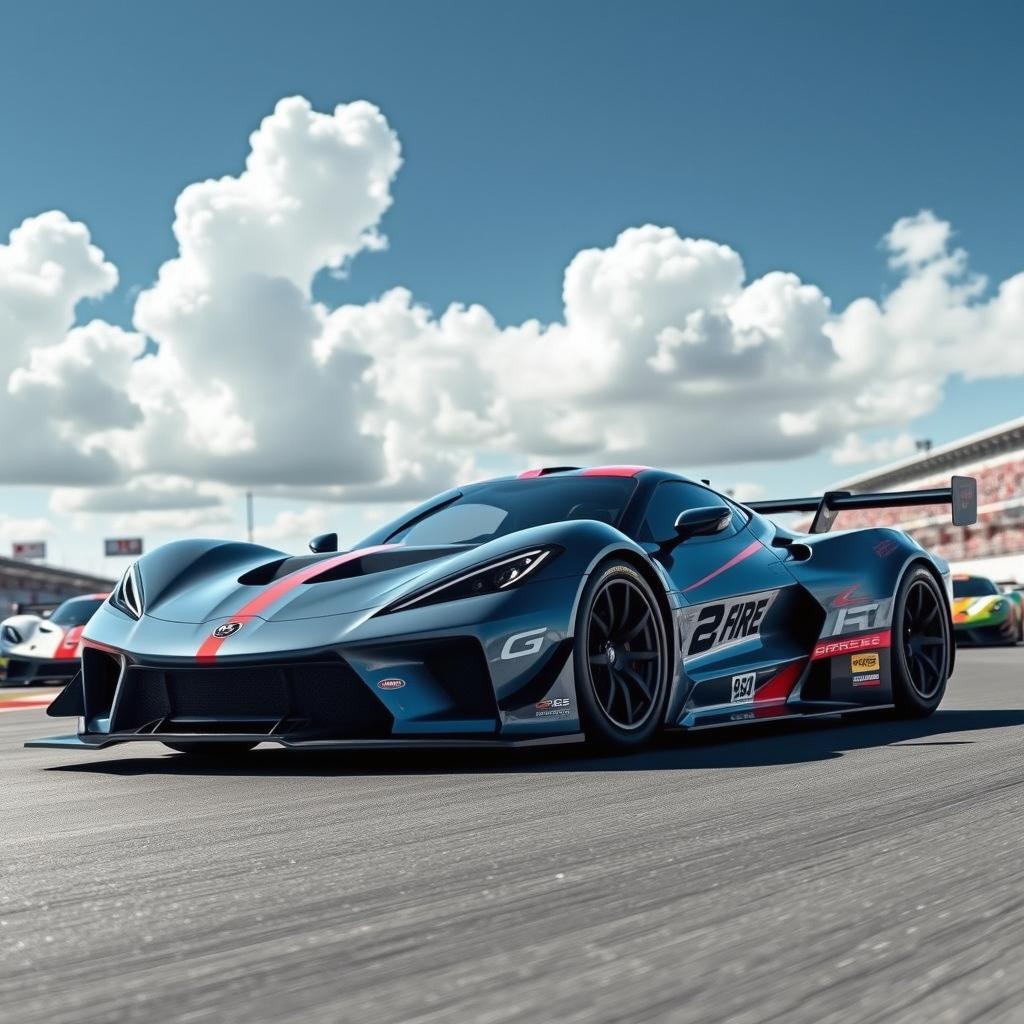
(271, 571)
(382, 561)
(379, 561)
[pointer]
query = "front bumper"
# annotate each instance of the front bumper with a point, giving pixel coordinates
(1004, 632)
(460, 683)
(23, 671)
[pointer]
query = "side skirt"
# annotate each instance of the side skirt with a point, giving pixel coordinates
(776, 713)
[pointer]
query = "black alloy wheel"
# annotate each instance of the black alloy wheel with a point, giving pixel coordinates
(922, 634)
(621, 658)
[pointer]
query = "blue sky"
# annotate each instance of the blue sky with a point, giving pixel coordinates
(797, 133)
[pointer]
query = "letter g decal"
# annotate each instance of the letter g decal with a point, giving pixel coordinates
(519, 645)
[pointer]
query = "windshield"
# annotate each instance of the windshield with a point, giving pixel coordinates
(76, 612)
(507, 506)
(973, 586)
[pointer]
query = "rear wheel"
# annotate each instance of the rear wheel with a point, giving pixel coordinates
(921, 638)
(621, 659)
(212, 749)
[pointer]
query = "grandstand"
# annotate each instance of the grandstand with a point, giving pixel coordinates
(26, 583)
(995, 545)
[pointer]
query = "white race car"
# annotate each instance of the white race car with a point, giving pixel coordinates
(46, 650)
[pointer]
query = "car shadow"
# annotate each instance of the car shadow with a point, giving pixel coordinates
(749, 746)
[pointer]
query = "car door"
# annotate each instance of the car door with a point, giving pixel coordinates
(733, 593)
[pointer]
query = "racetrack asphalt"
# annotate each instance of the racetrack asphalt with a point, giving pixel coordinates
(831, 872)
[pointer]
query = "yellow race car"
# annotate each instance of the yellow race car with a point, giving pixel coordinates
(982, 614)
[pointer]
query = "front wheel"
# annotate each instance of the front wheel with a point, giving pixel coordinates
(621, 656)
(211, 749)
(921, 638)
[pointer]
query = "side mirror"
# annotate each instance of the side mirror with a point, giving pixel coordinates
(696, 522)
(324, 542)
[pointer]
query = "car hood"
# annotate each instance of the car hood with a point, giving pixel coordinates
(282, 587)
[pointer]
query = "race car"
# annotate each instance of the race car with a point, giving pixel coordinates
(983, 614)
(600, 605)
(38, 649)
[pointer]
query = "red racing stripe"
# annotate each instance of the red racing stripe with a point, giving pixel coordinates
(780, 686)
(750, 549)
(209, 648)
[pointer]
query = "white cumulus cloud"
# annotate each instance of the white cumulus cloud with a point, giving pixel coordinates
(666, 351)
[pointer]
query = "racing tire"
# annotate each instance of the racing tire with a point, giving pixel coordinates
(621, 659)
(921, 643)
(212, 749)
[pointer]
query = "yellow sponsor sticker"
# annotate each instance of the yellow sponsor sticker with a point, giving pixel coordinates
(864, 663)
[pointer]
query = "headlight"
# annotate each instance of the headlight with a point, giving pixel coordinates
(11, 636)
(127, 595)
(496, 576)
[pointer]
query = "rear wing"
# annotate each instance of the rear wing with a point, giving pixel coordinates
(962, 495)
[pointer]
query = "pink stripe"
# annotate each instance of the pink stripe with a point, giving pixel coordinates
(614, 470)
(212, 644)
(749, 550)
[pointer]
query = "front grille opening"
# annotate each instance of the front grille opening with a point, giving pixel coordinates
(100, 672)
(307, 699)
(460, 668)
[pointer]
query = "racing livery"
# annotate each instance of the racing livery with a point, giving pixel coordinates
(565, 604)
(39, 649)
(982, 614)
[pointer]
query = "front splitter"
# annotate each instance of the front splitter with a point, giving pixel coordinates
(76, 742)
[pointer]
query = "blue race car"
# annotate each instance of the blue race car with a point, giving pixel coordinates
(601, 604)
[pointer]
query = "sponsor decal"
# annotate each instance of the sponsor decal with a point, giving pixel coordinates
(884, 548)
(870, 680)
(226, 629)
(521, 645)
(391, 684)
(851, 645)
(743, 687)
(728, 622)
(743, 716)
(864, 663)
(856, 618)
(553, 707)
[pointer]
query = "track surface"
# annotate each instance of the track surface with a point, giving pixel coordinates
(823, 872)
